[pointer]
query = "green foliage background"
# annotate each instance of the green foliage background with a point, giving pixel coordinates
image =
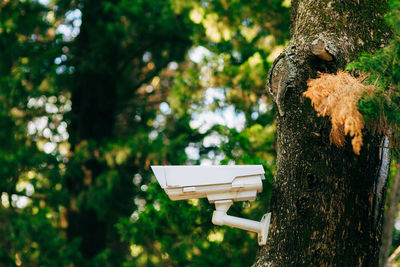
(381, 108)
(94, 92)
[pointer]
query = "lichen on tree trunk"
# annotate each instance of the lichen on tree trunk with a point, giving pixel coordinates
(323, 197)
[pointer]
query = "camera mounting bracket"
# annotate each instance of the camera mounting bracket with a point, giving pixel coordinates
(221, 218)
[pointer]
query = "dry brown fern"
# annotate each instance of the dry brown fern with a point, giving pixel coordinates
(337, 96)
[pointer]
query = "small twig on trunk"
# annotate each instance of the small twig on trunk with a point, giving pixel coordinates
(319, 48)
(394, 256)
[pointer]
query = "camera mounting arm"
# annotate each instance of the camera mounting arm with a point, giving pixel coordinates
(221, 218)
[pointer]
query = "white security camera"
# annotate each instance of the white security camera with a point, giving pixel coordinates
(220, 185)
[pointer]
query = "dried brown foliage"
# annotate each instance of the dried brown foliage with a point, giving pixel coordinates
(337, 96)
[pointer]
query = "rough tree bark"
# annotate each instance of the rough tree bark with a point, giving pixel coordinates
(323, 197)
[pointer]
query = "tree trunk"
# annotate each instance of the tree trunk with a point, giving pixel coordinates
(390, 216)
(93, 94)
(323, 198)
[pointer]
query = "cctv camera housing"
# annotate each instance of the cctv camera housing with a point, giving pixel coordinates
(235, 182)
(222, 185)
